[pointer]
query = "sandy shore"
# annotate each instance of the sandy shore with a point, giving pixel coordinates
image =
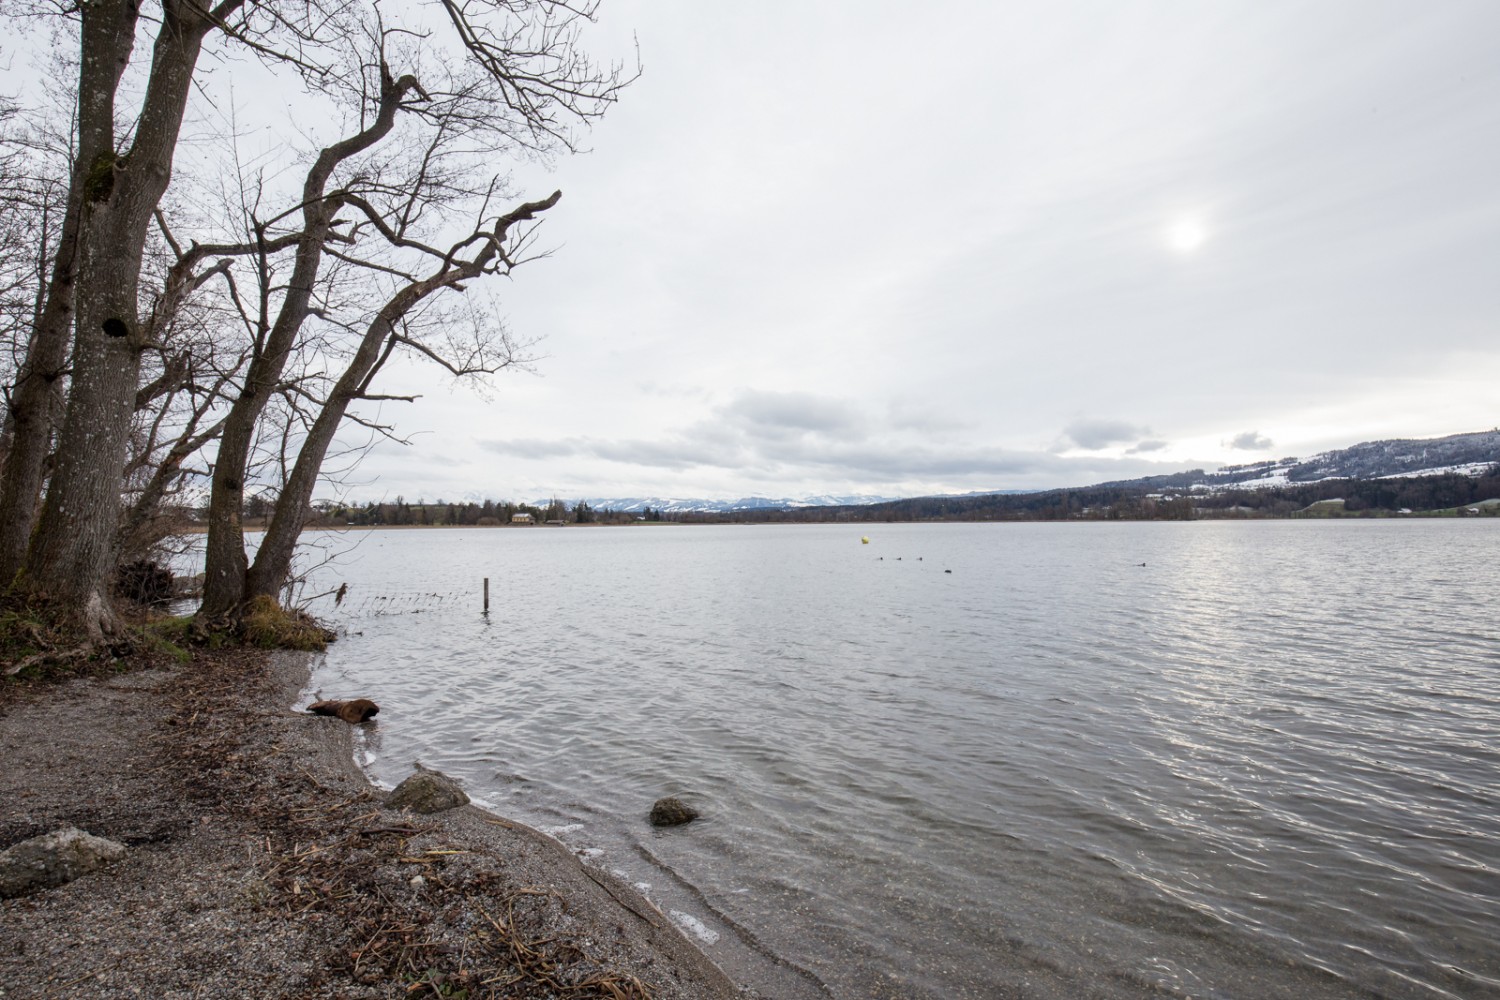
(262, 864)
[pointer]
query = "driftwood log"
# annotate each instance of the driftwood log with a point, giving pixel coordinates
(354, 711)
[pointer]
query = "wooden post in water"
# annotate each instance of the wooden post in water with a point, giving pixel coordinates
(486, 595)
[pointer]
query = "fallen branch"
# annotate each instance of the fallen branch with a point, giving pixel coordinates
(407, 831)
(50, 657)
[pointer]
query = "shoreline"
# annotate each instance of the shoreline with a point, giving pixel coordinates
(867, 526)
(260, 861)
(749, 969)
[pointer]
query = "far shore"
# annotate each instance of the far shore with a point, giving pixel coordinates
(260, 525)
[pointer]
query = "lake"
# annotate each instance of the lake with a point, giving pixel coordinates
(1212, 759)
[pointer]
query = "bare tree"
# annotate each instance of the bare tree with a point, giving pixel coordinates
(491, 78)
(227, 562)
(38, 237)
(419, 159)
(494, 251)
(115, 189)
(180, 407)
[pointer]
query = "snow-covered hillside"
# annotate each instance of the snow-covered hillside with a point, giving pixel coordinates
(1465, 454)
(1461, 454)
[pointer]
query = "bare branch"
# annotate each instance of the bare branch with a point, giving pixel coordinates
(377, 397)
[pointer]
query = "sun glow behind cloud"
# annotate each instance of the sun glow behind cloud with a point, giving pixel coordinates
(1186, 234)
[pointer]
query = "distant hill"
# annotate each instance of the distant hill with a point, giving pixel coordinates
(1447, 476)
(1461, 454)
(1465, 454)
(1273, 486)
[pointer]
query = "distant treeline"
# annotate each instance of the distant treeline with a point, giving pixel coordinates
(1362, 498)
(1450, 494)
(440, 512)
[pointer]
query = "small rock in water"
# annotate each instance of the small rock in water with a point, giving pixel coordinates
(52, 859)
(355, 711)
(427, 792)
(672, 811)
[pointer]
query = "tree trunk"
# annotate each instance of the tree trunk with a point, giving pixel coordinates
(273, 561)
(71, 555)
(37, 401)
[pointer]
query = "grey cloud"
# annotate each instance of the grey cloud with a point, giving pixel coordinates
(896, 463)
(671, 453)
(679, 452)
(821, 458)
(1145, 446)
(1092, 435)
(923, 417)
(650, 387)
(797, 411)
(1251, 441)
(986, 468)
(534, 448)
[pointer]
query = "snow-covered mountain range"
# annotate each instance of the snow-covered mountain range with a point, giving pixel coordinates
(678, 505)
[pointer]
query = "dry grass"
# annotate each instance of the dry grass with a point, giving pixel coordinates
(267, 625)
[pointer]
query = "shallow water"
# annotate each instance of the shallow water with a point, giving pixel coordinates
(1107, 760)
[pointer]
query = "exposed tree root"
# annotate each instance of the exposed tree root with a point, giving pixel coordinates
(263, 624)
(46, 641)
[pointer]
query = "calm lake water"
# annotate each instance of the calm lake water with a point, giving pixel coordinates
(1038, 760)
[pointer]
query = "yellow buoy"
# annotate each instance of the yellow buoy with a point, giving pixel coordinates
(864, 540)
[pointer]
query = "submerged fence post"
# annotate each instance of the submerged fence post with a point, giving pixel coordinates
(486, 595)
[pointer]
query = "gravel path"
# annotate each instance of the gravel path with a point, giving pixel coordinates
(261, 863)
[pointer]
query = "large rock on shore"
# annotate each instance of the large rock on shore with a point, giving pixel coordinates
(427, 792)
(52, 859)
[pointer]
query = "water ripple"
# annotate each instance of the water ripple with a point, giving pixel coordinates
(1265, 763)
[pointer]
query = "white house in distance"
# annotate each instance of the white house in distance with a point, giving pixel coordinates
(521, 518)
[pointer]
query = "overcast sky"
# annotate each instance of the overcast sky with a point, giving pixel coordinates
(900, 249)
